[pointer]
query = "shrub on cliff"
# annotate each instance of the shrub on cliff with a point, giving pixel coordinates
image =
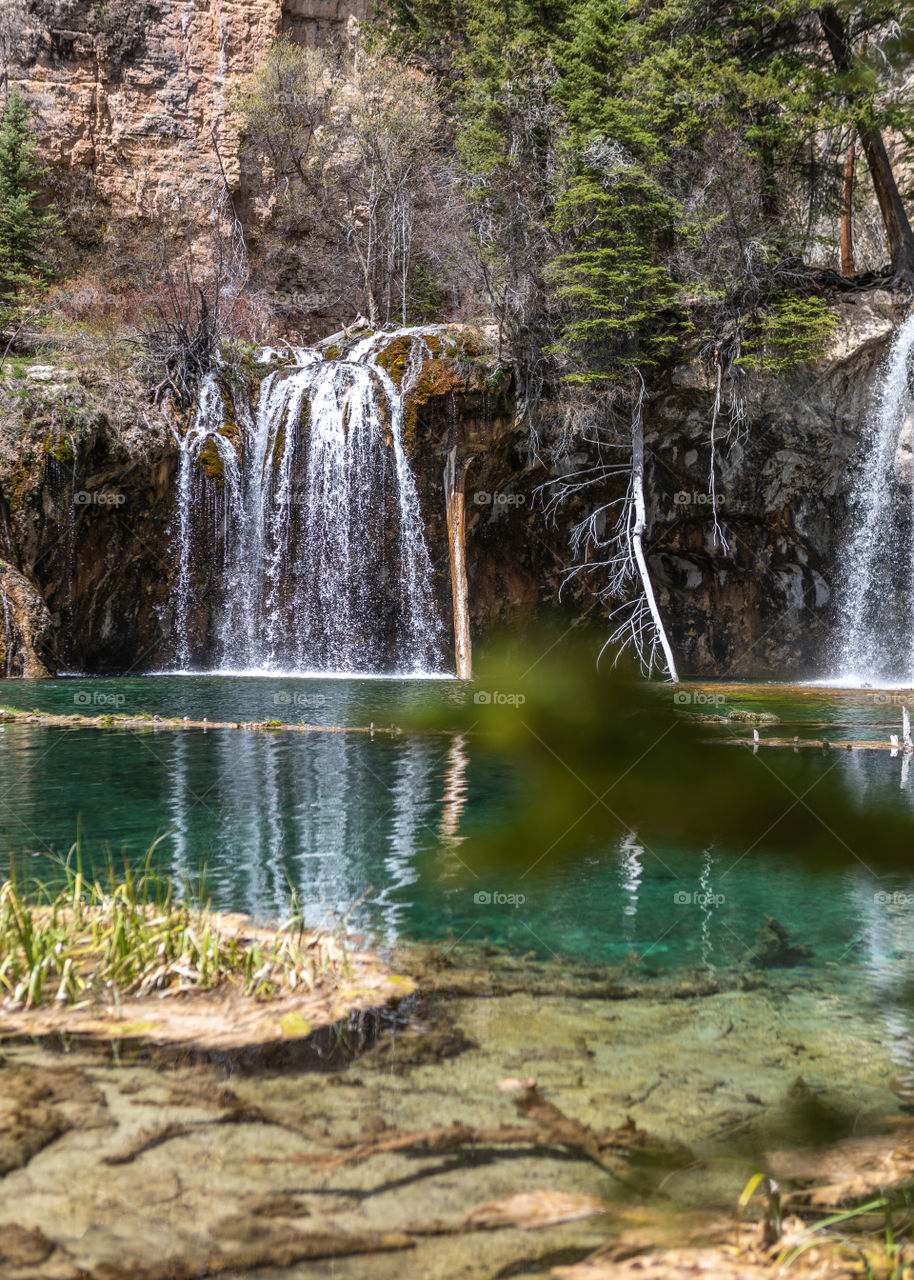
(347, 140)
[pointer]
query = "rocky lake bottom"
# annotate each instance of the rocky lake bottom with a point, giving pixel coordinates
(591, 1072)
(131, 1166)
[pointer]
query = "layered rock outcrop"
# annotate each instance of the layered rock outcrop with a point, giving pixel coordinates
(131, 93)
(25, 625)
(766, 605)
(86, 469)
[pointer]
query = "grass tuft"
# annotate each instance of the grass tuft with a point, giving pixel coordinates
(132, 937)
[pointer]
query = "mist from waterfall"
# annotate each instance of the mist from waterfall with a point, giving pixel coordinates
(875, 642)
(307, 507)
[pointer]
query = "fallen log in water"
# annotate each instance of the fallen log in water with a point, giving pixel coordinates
(10, 715)
(550, 1127)
(822, 744)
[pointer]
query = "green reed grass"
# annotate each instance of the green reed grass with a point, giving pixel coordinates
(91, 941)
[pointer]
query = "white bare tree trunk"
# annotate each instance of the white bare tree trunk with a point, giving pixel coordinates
(637, 535)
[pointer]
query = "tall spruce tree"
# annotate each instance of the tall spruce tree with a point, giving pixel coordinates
(612, 217)
(24, 226)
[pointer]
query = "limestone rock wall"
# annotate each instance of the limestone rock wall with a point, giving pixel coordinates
(131, 92)
(25, 624)
(766, 607)
(86, 502)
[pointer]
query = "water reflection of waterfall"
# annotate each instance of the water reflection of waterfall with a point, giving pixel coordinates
(413, 790)
(631, 873)
(455, 791)
(876, 638)
(332, 818)
(182, 872)
(886, 916)
(307, 511)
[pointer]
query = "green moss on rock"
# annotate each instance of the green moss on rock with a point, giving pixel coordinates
(394, 359)
(210, 461)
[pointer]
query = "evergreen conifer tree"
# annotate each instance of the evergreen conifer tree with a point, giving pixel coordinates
(24, 227)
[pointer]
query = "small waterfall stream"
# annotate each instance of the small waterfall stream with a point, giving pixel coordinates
(307, 507)
(876, 629)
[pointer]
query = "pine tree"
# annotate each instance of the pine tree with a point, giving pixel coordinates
(612, 218)
(24, 228)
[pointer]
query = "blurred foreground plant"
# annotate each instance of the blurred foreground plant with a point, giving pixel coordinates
(599, 754)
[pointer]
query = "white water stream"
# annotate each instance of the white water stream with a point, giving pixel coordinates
(876, 571)
(320, 551)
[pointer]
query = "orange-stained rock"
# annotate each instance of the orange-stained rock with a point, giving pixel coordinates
(133, 91)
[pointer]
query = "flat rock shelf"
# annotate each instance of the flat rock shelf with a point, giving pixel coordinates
(317, 1008)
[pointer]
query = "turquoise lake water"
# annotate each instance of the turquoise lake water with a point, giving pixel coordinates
(379, 830)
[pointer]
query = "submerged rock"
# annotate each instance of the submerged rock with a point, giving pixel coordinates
(752, 717)
(774, 949)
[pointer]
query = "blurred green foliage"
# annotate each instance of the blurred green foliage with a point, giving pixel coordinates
(599, 754)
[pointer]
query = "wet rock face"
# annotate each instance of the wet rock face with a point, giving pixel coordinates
(87, 477)
(767, 606)
(86, 501)
(25, 624)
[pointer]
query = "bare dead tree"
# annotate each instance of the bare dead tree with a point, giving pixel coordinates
(616, 559)
(202, 287)
(349, 139)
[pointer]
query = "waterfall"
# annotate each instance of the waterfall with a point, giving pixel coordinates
(876, 570)
(306, 512)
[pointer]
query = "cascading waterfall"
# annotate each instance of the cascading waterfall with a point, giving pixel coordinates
(876, 636)
(311, 508)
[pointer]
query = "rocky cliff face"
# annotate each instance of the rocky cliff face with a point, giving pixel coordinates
(767, 606)
(132, 92)
(26, 624)
(87, 498)
(87, 475)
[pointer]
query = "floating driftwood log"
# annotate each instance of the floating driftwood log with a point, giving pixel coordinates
(10, 715)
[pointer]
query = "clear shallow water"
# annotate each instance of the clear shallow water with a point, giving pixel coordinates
(292, 699)
(380, 828)
(387, 823)
(808, 710)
